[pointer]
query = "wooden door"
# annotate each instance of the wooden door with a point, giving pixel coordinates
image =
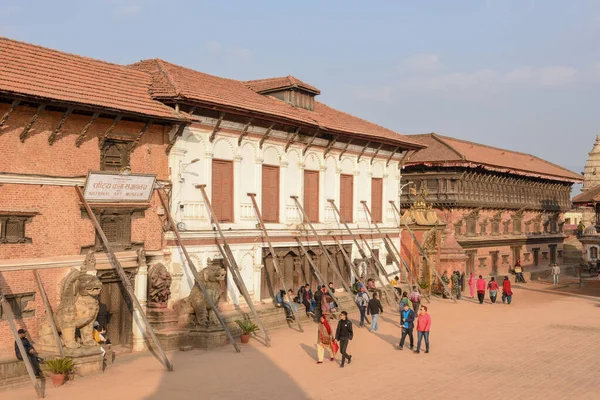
(222, 190)
(346, 197)
(270, 193)
(377, 199)
(119, 325)
(311, 195)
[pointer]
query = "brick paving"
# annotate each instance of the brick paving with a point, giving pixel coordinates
(543, 346)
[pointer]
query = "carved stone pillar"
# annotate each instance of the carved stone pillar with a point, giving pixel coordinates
(140, 288)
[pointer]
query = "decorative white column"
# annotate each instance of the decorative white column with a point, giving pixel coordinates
(141, 290)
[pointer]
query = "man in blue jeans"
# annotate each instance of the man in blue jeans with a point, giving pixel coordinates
(362, 300)
(374, 308)
(407, 322)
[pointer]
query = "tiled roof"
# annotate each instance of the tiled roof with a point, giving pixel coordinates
(447, 151)
(30, 70)
(270, 84)
(173, 82)
(589, 196)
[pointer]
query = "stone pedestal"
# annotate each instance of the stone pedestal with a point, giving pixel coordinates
(87, 360)
(208, 337)
(162, 318)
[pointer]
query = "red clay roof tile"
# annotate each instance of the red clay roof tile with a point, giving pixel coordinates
(270, 84)
(32, 70)
(447, 151)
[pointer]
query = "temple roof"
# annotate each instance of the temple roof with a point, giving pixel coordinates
(446, 151)
(590, 196)
(51, 75)
(172, 82)
(285, 82)
(591, 173)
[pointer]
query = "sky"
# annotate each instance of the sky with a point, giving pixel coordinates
(518, 74)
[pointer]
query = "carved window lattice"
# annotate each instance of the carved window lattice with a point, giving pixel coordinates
(117, 229)
(18, 303)
(471, 226)
(458, 228)
(504, 259)
(12, 229)
(114, 155)
(517, 225)
(506, 227)
(482, 262)
(495, 227)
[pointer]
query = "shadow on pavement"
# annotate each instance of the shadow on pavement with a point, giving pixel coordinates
(310, 350)
(392, 340)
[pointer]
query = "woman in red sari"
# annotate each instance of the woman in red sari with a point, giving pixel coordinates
(506, 291)
(324, 340)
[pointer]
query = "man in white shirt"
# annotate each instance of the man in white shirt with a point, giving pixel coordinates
(555, 273)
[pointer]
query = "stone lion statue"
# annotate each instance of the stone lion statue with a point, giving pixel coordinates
(77, 310)
(194, 309)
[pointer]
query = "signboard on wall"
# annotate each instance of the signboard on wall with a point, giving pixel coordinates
(106, 187)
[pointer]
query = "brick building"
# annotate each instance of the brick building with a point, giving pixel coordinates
(500, 206)
(62, 116)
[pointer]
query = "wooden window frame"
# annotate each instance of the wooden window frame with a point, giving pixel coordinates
(307, 211)
(232, 207)
(22, 220)
(124, 148)
(377, 218)
(18, 303)
(342, 204)
(263, 207)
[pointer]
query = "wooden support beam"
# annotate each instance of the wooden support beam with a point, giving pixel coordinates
(25, 131)
(62, 121)
(266, 135)
(363, 151)
(310, 142)
(139, 136)
(178, 133)
(245, 131)
(375, 154)
(6, 115)
(86, 128)
(345, 148)
(291, 140)
(391, 155)
(109, 130)
(330, 145)
(216, 128)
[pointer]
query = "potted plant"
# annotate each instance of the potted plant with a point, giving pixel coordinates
(60, 369)
(247, 328)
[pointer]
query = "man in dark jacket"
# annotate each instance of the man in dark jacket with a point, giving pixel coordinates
(374, 308)
(343, 334)
(407, 322)
(306, 297)
(31, 353)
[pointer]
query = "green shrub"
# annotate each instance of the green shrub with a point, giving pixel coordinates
(247, 326)
(60, 366)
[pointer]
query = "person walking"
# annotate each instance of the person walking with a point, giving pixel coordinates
(415, 299)
(423, 328)
(407, 322)
(493, 288)
(324, 340)
(344, 334)
(480, 289)
(30, 351)
(404, 300)
(332, 305)
(555, 273)
(454, 287)
(472, 285)
(506, 291)
(461, 284)
(374, 308)
(362, 301)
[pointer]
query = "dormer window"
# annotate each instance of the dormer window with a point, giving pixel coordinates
(289, 89)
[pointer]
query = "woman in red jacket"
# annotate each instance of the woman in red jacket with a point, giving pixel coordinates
(506, 292)
(493, 288)
(423, 328)
(480, 289)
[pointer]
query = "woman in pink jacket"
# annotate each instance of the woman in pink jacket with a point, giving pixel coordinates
(481, 289)
(423, 328)
(472, 285)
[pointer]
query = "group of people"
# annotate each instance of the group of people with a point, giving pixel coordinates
(317, 304)
(492, 286)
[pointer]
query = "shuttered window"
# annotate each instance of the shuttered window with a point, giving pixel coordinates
(377, 199)
(311, 195)
(270, 193)
(222, 190)
(346, 196)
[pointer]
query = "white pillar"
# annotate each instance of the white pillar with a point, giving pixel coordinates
(140, 288)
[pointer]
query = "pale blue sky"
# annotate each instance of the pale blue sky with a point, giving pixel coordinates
(519, 74)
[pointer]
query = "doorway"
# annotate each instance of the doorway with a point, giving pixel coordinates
(119, 318)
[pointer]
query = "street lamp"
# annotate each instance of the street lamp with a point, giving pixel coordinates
(183, 166)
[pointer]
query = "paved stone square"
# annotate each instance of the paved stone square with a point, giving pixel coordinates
(543, 346)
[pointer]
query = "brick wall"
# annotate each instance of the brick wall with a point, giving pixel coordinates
(24, 282)
(63, 158)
